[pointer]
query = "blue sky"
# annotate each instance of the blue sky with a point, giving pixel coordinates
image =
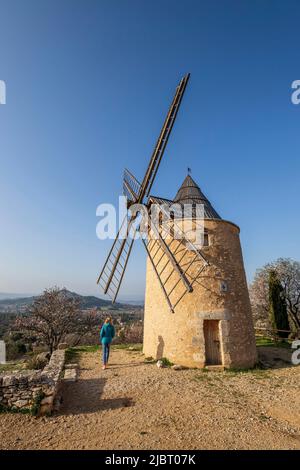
(88, 86)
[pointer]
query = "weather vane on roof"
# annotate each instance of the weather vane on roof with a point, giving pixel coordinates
(189, 171)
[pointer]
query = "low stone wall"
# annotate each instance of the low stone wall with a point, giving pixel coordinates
(30, 390)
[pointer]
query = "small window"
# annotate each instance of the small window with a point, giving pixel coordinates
(196, 238)
(223, 286)
(205, 239)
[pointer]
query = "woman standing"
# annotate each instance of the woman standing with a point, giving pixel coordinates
(106, 336)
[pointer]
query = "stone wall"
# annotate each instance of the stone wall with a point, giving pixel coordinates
(31, 390)
(179, 336)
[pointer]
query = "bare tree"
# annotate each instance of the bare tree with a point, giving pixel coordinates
(288, 272)
(88, 328)
(132, 333)
(52, 315)
(259, 296)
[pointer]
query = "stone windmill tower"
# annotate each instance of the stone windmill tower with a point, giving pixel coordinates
(197, 308)
(212, 325)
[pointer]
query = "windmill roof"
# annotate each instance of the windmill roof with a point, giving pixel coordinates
(190, 193)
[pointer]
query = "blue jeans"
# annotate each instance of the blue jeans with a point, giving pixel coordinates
(105, 353)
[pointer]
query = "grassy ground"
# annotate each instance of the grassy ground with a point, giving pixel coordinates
(264, 341)
(129, 346)
(10, 366)
(73, 354)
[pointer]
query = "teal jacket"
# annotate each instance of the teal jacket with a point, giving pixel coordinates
(107, 333)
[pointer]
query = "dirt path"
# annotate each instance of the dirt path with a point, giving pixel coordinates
(134, 405)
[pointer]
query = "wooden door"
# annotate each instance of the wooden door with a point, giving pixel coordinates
(212, 342)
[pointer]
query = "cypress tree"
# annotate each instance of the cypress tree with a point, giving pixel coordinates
(278, 307)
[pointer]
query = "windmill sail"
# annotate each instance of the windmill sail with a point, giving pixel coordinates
(114, 267)
(131, 186)
(111, 276)
(163, 139)
(177, 262)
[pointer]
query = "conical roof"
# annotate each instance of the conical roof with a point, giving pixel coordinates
(190, 193)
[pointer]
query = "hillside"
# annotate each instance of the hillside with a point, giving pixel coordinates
(86, 301)
(5, 296)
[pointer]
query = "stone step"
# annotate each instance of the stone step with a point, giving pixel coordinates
(71, 365)
(70, 375)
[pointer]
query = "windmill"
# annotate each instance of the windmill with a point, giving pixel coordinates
(204, 281)
(163, 251)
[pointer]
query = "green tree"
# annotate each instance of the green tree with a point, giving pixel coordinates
(278, 307)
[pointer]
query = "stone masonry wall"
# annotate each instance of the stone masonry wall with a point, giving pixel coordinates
(29, 390)
(179, 336)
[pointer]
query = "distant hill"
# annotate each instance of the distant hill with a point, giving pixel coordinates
(5, 296)
(137, 303)
(21, 304)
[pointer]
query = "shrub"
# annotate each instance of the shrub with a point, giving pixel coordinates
(15, 349)
(132, 333)
(37, 362)
(166, 362)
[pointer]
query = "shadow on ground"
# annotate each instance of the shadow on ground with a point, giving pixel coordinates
(85, 396)
(272, 357)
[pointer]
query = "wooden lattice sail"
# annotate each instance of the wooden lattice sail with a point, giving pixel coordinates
(163, 251)
(202, 282)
